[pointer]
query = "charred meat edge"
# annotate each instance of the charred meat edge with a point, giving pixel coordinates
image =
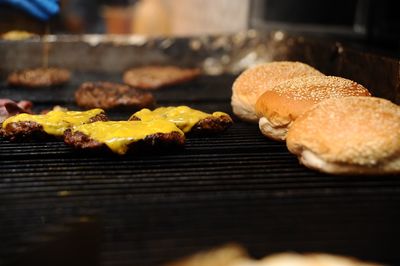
(156, 141)
(208, 125)
(108, 95)
(25, 130)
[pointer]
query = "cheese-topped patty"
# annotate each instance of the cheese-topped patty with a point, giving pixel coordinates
(118, 135)
(183, 117)
(56, 121)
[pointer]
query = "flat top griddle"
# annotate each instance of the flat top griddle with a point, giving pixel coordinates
(77, 208)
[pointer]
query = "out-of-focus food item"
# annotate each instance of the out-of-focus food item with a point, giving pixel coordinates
(152, 18)
(155, 77)
(187, 119)
(199, 18)
(9, 108)
(278, 107)
(17, 35)
(117, 19)
(230, 254)
(351, 135)
(54, 123)
(255, 81)
(39, 77)
(108, 95)
(234, 255)
(123, 136)
(55, 108)
(312, 259)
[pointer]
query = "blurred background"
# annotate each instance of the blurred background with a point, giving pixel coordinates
(372, 23)
(160, 216)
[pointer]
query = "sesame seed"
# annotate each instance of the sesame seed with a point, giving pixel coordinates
(317, 88)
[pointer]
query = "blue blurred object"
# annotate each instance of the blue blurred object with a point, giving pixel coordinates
(40, 9)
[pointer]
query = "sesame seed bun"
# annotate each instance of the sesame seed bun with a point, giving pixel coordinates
(352, 135)
(254, 81)
(280, 106)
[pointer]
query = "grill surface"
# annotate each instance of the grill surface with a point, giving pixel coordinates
(238, 186)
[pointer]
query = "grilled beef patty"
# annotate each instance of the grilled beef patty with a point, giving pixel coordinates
(208, 125)
(212, 124)
(29, 130)
(39, 77)
(159, 141)
(108, 95)
(154, 77)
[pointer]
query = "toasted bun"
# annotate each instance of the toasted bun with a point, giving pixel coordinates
(254, 81)
(352, 135)
(280, 106)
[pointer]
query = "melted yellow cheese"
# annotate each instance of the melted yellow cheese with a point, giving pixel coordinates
(56, 121)
(117, 135)
(182, 116)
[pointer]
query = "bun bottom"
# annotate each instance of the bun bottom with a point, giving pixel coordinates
(272, 131)
(243, 111)
(313, 161)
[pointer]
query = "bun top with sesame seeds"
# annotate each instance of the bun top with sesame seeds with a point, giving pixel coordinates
(280, 106)
(349, 135)
(254, 81)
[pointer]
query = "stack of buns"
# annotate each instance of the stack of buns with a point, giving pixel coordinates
(280, 106)
(330, 123)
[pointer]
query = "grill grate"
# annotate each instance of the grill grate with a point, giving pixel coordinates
(238, 186)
